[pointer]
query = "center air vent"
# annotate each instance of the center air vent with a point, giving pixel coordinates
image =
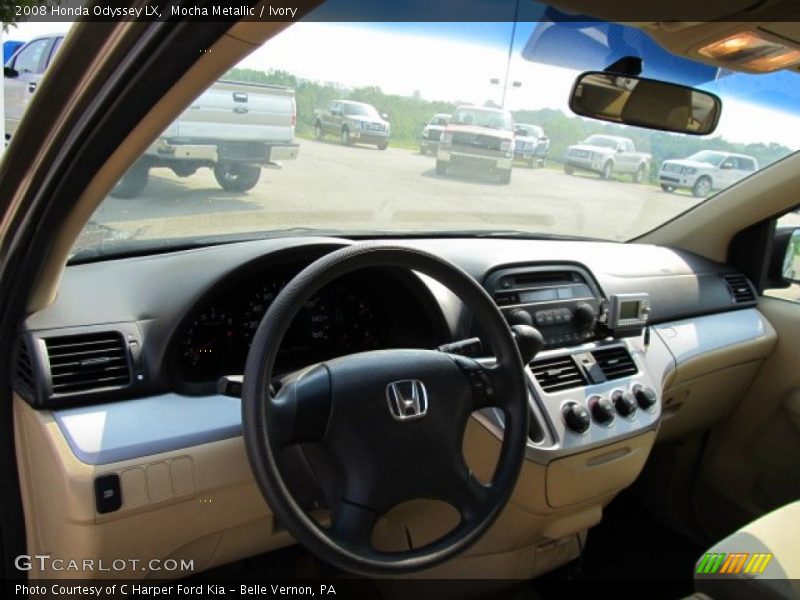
(615, 362)
(88, 362)
(739, 289)
(556, 374)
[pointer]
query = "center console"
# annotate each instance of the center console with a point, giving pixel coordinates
(590, 386)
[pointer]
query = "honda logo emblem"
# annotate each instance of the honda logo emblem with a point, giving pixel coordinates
(407, 399)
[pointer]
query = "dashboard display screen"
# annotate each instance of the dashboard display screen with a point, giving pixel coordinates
(629, 310)
(538, 295)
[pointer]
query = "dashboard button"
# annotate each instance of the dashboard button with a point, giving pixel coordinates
(645, 397)
(602, 409)
(624, 402)
(576, 417)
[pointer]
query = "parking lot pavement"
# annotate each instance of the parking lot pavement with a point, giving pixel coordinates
(362, 188)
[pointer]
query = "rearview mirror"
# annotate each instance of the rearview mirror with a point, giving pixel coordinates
(384, 116)
(10, 72)
(645, 103)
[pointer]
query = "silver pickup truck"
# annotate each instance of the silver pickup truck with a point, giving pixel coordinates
(607, 155)
(232, 128)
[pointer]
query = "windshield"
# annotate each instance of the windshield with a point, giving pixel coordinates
(483, 118)
(363, 110)
(272, 148)
(602, 141)
(706, 156)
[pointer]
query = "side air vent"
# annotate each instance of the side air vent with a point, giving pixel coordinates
(88, 362)
(615, 362)
(23, 372)
(556, 374)
(739, 289)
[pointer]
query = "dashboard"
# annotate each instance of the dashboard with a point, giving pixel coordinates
(116, 381)
(181, 320)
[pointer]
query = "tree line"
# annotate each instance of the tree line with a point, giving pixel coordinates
(408, 114)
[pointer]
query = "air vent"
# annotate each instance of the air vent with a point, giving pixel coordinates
(556, 374)
(23, 372)
(615, 362)
(739, 289)
(88, 362)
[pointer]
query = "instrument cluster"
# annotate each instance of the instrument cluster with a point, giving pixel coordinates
(364, 310)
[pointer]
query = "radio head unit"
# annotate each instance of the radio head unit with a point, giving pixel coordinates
(561, 301)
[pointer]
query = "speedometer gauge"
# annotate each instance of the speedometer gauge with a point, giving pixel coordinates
(210, 344)
(257, 308)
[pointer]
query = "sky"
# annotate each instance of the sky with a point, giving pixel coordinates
(452, 62)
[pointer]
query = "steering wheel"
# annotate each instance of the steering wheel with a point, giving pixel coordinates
(389, 422)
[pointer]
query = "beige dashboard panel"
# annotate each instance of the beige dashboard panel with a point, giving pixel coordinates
(581, 477)
(716, 358)
(200, 503)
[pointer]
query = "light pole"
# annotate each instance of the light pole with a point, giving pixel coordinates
(510, 52)
(514, 85)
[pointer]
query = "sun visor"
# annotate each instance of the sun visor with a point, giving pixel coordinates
(584, 44)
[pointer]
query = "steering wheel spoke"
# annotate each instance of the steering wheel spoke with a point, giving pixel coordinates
(352, 527)
(472, 499)
(487, 382)
(299, 412)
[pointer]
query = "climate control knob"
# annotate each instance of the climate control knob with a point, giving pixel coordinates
(624, 402)
(602, 409)
(576, 417)
(645, 397)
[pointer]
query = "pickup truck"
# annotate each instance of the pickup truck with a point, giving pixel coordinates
(531, 145)
(607, 155)
(478, 139)
(432, 132)
(353, 122)
(705, 171)
(232, 128)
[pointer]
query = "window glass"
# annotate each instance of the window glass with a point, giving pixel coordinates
(30, 58)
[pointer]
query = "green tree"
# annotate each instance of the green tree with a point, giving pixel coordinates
(408, 114)
(8, 11)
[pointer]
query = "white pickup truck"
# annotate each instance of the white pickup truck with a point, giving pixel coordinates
(232, 128)
(705, 171)
(607, 155)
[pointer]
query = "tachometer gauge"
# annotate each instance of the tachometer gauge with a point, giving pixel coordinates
(210, 344)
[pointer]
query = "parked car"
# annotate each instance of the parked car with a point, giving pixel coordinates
(531, 145)
(607, 155)
(22, 73)
(232, 128)
(354, 123)
(705, 171)
(478, 139)
(429, 140)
